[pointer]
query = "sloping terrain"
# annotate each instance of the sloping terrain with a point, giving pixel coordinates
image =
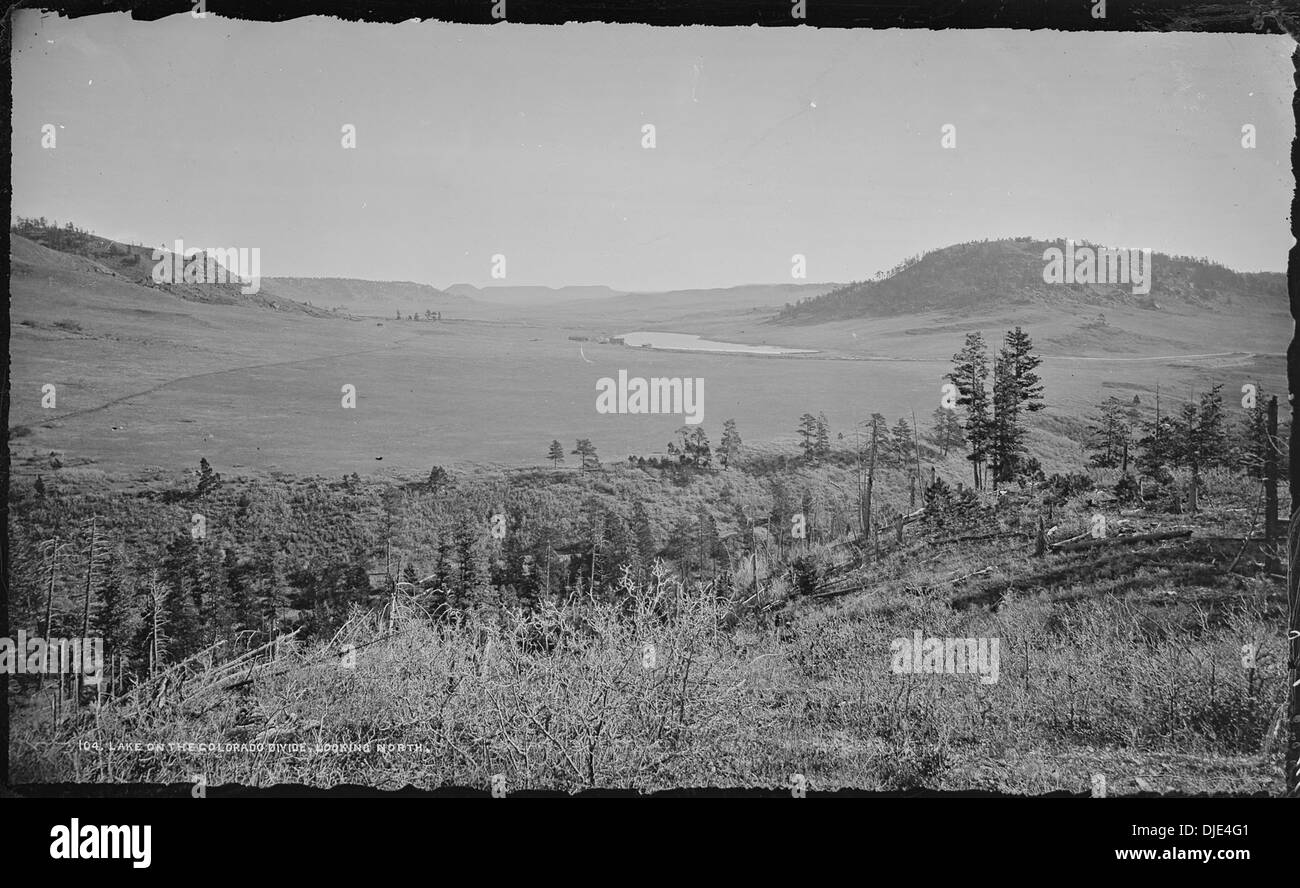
(983, 275)
(40, 249)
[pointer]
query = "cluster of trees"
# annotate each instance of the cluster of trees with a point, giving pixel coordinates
(814, 437)
(896, 446)
(51, 234)
(994, 428)
(1197, 436)
(428, 315)
(692, 450)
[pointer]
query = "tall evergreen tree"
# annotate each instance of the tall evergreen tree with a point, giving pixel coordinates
(556, 454)
(208, 479)
(1253, 442)
(111, 617)
(1016, 391)
(808, 435)
(729, 447)
(646, 547)
(901, 444)
(822, 442)
(1018, 352)
(970, 375)
(471, 562)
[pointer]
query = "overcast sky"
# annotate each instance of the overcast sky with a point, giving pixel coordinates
(527, 141)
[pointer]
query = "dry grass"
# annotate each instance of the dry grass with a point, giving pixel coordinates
(563, 698)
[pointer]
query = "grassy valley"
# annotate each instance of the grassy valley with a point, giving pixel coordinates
(420, 590)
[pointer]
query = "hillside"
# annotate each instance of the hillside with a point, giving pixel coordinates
(37, 249)
(368, 298)
(1002, 273)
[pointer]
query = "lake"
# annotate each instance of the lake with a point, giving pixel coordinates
(690, 342)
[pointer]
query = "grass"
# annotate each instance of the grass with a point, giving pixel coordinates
(1139, 677)
(259, 391)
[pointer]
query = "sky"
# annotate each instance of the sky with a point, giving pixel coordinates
(527, 142)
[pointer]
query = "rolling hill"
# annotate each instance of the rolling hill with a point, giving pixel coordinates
(38, 249)
(983, 275)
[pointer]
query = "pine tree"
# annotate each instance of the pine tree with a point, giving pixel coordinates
(706, 540)
(1211, 428)
(1253, 441)
(1200, 439)
(1018, 352)
(808, 435)
(646, 547)
(969, 375)
(878, 427)
(586, 451)
(472, 565)
(1109, 436)
(695, 450)
(822, 443)
(1157, 445)
(556, 454)
(682, 546)
(438, 478)
(443, 571)
(111, 619)
(1200, 436)
(1016, 391)
(180, 573)
(1005, 433)
(901, 445)
(208, 479)
(729, 448)
(243, 602)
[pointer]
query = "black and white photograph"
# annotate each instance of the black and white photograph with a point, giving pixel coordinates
(600, 406)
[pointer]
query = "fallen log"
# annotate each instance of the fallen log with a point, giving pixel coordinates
(1073, 546)
(1003, 535)
(977, 573)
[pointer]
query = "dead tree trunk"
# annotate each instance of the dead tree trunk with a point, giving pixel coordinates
(871, 482)
(1293, 557)
(1270, 487)
(85, 604)
(1293, 635)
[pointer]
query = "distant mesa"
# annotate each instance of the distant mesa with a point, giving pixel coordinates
(532, 296)
(371, 298)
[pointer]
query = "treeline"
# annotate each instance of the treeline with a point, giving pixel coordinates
(67, 237)
(1196, 435)
(167, 572)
